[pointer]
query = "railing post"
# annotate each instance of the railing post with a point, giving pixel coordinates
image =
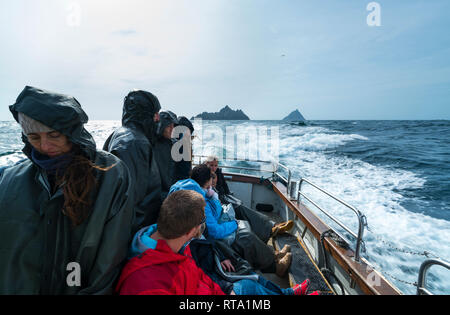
(362, 220)
(289, 181)
(362, 223)
(421, 282)
(293, 191)
(299, 189)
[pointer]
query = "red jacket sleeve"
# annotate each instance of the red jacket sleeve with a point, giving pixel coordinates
(207, 286)
(145, 283)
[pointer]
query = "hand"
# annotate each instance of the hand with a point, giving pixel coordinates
(227, 265)
(210, 192)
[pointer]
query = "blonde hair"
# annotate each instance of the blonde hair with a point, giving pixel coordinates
(212, 158)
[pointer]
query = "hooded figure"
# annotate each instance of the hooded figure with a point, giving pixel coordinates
(134, 144)
(139, 110)
(52, 242)
(163, 151)
(183, 121)
(184, 166)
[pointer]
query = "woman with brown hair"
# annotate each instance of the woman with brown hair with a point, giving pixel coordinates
(65, 215)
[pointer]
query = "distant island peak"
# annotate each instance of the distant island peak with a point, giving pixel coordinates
(225, 113)
(294, 116)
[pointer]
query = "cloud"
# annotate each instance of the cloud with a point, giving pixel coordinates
(125, 32)
(201, 55)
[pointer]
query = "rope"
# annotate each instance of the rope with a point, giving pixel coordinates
(325, 270)
(402, 250)
(397, 249)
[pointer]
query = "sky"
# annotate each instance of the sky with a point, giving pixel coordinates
(268, 58)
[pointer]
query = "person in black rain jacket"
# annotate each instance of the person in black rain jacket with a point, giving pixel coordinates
(134, 144)
(66, 211)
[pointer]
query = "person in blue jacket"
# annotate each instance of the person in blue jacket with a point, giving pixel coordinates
(238, 233)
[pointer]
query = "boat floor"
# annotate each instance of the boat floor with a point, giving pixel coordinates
(302, 266)
(282, 282)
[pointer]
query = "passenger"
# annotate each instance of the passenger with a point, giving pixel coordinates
(220, 262)
(250, 244)
(134, 144)
(162, 262)
(213, 187)
(183, 166)
(163, 151)
(184, 121)
(255, 218)
(158, 267)
(234, 273)
(62, 230)
(222, 187)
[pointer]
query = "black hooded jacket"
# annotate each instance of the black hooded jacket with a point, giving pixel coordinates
(134, 144)
(163, 153)
(184, 167)
(39, 246)
(222, 186)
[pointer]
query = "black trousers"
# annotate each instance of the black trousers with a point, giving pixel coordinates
(252, 235)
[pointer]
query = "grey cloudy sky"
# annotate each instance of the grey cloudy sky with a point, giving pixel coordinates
(262, 56)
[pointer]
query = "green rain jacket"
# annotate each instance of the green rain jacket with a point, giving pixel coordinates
(40, 250)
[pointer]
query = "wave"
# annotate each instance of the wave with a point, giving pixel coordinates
(11, 159)
(7, 153)
(377, 191)
(366, 174)
(320, 141)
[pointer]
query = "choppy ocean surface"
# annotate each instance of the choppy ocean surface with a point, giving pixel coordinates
(396, 172)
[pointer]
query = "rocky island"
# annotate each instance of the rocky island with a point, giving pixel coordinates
(225, 113)
(295, 116)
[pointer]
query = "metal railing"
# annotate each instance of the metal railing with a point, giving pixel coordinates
(288, 181)
(422, 280)
(296, 192)
(245, 168)
(362, 221)
(274, 172)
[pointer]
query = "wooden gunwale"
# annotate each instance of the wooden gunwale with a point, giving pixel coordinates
(360, 272)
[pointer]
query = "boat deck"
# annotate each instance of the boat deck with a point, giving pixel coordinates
(310, 241)
(302, 266)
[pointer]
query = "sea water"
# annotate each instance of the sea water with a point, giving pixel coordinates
(396, 172)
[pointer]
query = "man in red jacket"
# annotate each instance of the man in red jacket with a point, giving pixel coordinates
(162, 264)
(165, 267)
